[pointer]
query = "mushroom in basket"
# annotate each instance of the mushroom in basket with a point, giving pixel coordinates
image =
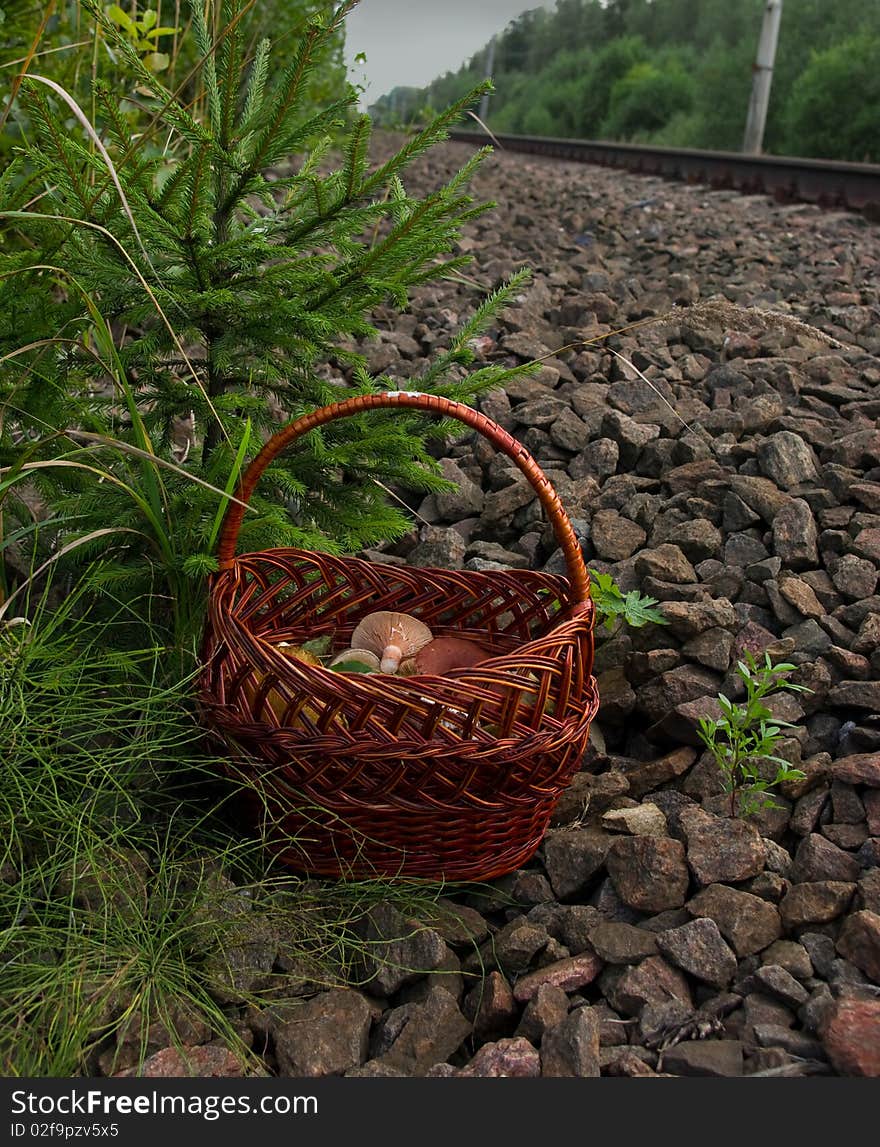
(277, 701)
(443, 654)
(392, 637)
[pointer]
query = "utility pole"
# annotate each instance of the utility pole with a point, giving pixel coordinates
(490, 65)
(762, 77)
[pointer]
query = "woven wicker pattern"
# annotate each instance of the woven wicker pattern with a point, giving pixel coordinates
(451, 777)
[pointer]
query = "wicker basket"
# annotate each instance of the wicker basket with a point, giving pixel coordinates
(364, 775)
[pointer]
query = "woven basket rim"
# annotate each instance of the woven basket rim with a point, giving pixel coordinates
(497, 670)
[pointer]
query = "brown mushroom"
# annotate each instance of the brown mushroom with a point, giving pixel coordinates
(443, 654)
(392, 636)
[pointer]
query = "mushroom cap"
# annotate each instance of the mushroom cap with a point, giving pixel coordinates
(400, 634)
(359, 656)
(297, 653)
(444, 653)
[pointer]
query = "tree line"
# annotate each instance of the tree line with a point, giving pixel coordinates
(675, 73)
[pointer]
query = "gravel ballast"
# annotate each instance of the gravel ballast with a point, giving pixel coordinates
(652, 934)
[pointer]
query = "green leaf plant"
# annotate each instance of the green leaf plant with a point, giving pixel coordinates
(144, 33)
(744, 739)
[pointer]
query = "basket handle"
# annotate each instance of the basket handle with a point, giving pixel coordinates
(578, 577)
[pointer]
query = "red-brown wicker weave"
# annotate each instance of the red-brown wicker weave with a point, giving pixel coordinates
(360, 775)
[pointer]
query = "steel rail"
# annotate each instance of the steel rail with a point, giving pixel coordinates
(828, 183)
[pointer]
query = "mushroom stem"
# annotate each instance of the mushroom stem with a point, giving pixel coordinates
(391, 658)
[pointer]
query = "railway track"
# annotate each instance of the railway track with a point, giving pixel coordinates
(828, 183)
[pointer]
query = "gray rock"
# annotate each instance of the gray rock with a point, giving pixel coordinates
(791, 956)
(855, 695)
(687, 620)
(541, 412)
(572, 857)
(598, 459)
(859, 942)
(795, 1043)
(699, 949)
(395, 951)
(616, 695)
(630, 436)
(569, 431)
(642, 820)
(855, 577)
(243, 963)
(667, 563)
(858, 450)
(759, 1008)
(736, 514)
(712, 1057)
(673, 689)
(419, 1035)
(326, 1035)
(869, 891)
(721, 851)
(614, 536)
(501, 505)
(438, 547)
(776, 858)
(713, 648)
(461, 926)
(871, 802)
(576, 925)
(622, 943)
(571, 1049)
(447, 975)
(778, 982)
(818, 859)
(491, 1008)
(745, 921)
(820, 949)
(493, 552)
(787, 460)
(866, 544)
(515, 946)
(464, 502)
(629, 1063)
(545, 1010)
(815, 902)
(808, 810)
(812, 1014)
(760, 495)
(794, 536)
(644, 776)
(649, 873)
(628, 989)
(698, 538)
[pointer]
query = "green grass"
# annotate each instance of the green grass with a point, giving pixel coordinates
(131, 895)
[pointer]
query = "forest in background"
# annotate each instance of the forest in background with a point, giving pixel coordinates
(676, 73)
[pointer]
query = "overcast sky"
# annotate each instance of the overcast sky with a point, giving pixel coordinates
(411, 42)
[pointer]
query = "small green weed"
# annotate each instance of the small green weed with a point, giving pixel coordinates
(612, 604)
(744, 739)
